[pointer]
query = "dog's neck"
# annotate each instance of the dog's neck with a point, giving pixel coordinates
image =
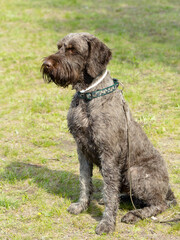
(101, 81)
(96, 82)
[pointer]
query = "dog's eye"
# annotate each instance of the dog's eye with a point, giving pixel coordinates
(70, 49)
(59, 46)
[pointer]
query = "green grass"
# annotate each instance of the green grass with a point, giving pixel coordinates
(38, 160)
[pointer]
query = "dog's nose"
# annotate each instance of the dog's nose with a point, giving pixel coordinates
(47, 64)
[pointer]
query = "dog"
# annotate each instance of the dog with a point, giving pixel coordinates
(106, 133)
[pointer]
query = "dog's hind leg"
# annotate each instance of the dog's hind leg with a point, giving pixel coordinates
(85, 185)
(151, 186)
(146, 212)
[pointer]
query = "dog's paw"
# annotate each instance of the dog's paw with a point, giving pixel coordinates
(130, 217)
(104, 227)
(75, 208)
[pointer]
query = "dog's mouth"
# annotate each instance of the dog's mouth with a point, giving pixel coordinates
(61, 72)
(56, 75)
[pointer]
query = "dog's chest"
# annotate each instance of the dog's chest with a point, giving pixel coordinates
(81, 125)
(78, 120)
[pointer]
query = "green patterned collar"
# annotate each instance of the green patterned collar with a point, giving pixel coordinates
(101, 92)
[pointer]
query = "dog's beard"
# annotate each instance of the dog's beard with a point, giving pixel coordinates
(63, 73)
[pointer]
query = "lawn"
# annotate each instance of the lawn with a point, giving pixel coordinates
(38, 162)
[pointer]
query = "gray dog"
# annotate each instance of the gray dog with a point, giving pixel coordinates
(106, 133)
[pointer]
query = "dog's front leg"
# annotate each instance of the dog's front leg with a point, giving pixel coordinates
(111, 177)
(85, 184)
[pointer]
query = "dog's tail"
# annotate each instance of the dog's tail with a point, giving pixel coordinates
(170, 198)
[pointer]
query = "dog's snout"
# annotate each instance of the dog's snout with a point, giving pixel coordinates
(47, 63)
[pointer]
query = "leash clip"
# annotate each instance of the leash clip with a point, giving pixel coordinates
(88, 96)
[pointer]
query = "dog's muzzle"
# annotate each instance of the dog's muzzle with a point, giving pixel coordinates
(47, 64)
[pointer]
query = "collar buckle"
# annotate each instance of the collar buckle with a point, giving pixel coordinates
(88, 96)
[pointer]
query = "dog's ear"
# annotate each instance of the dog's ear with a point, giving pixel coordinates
(99, 56)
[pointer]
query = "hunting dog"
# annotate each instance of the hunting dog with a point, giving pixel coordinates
(106, 133)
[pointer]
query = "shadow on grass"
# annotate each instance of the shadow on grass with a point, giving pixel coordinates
(58, 182)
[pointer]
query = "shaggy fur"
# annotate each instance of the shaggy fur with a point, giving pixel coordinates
(101, 128)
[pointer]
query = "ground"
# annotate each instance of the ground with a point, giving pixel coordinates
(38, 162)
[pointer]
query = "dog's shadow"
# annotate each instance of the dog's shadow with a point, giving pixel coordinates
(59, 182)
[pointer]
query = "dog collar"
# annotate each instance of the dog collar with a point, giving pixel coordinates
(96, 83)
(101, 92)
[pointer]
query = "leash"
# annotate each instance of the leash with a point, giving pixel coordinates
(128, 154)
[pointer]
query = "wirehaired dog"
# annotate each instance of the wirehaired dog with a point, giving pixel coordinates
(106, 133)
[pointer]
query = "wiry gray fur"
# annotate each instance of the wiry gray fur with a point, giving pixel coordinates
(99, 128)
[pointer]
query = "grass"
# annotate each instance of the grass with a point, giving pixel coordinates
(38, 160)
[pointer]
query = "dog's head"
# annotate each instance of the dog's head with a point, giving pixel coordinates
(80, 56)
